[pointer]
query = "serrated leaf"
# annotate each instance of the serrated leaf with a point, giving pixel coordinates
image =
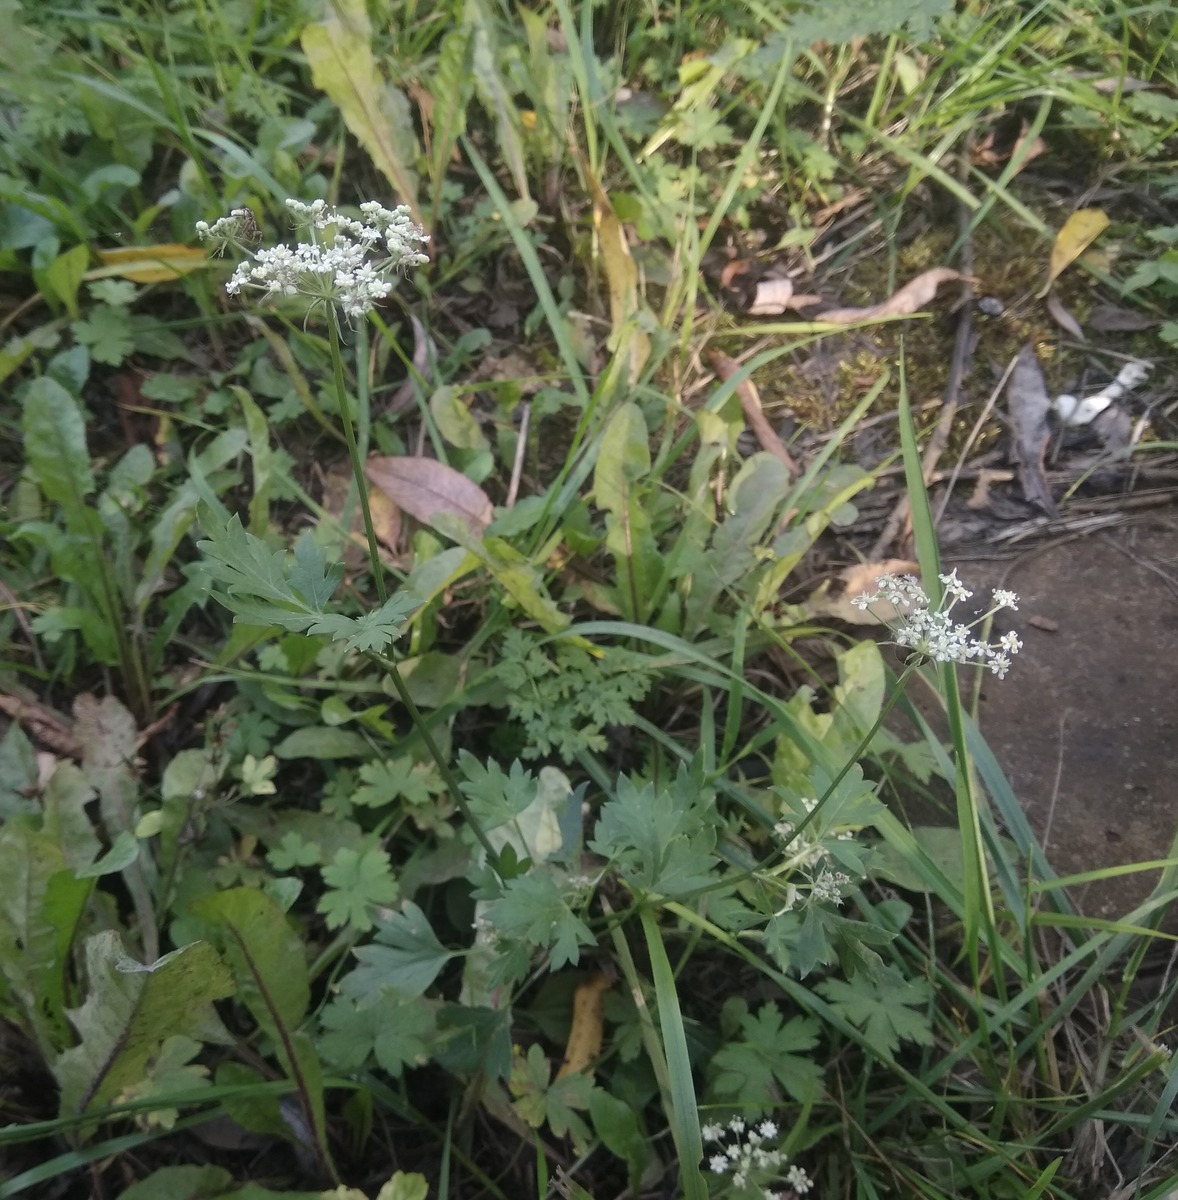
(405, 955)
(662, 841)
(356, 880)
(532, 908)
(129, 1011)
(769, 1054)
(266, 589)
(394, 1028)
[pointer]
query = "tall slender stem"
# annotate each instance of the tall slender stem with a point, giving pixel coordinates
(390, 666)
(337, 362)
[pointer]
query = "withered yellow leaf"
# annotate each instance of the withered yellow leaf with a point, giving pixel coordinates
(150, 264)
(585, 1033)
(621, 277)
(1079, 231)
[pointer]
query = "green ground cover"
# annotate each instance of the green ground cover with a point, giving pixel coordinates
(422, 771)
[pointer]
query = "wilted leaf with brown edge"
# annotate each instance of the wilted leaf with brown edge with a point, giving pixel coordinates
(912, 297)
(424, 488)
(1079, 231)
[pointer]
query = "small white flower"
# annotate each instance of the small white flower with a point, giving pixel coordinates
(953, 586)
(799, 1180)
(1004, 599)
(768, 1129)
(351, 270)
(718, 1164)
(828, 887)
(712, 1132)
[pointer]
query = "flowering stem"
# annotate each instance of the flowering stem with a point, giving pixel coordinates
(337, 362)
(389, 665)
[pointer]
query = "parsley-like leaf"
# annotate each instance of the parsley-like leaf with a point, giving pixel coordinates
(272, 589)
(532, 908)
(107, 331)
(406, 955)
(395, 1028)
(886, 1007)
(357, 880)
(662, 841)
(769, 1054)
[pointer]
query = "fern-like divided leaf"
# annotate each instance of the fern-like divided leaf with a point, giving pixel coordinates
(273, 589)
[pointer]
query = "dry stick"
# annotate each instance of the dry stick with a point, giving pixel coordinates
(517, 467)
(983, 417)
(901, 518)
(750, 403)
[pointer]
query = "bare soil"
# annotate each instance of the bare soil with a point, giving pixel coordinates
(1086, 723)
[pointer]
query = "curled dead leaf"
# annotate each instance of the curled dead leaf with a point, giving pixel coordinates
(773, 296)
(426, 488)
(856, 579)
(386, 516)
(423, 354)
(912, 297)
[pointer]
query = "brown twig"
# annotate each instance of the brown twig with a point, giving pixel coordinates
(750, 403)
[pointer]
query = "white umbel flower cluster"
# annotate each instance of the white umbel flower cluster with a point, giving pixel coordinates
(353, 268)
(745, 1152)
(932, 632)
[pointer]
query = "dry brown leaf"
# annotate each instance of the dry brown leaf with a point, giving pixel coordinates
(980, 497)
(750, 403)
(424, 487)
(856, 579)
(43, 724)
(734, 268)
(386, 516)
(1033, 149)
(912, 297)
(585, 1032)
(1079, 231)
(1063, 318)
(1028, 404)
(773, 296)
